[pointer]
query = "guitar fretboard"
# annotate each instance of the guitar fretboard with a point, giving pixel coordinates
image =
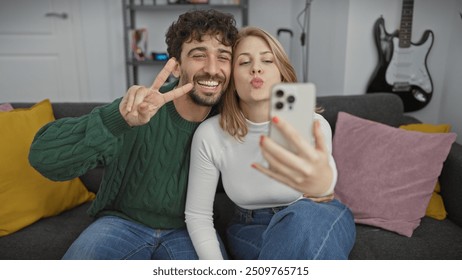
(405, 30)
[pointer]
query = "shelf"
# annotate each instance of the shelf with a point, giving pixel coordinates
(171, 7)
(146, 62)
(132, 7)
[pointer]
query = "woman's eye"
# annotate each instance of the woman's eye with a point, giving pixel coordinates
(244, 62)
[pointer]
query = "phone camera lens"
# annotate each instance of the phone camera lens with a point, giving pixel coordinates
(279, 105)
(279, 93)
(291, 99)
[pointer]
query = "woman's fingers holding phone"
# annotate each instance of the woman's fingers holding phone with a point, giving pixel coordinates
(307, 170)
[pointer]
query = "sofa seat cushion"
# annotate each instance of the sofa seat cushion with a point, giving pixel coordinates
(47, 239)
(432, 240)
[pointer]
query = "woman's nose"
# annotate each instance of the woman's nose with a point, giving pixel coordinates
(256, 70)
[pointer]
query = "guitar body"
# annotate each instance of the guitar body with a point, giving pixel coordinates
(384, 43)
(402, 71)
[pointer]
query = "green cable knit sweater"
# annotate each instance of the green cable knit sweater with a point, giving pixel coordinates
(146, 167)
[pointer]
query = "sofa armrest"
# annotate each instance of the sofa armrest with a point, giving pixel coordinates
(451, 184)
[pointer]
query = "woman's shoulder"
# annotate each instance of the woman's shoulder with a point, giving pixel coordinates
(325, 126)
(321, 118)
(209, 127)
(210, 135)
(210, 123)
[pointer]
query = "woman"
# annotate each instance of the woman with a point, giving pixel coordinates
(273, 219)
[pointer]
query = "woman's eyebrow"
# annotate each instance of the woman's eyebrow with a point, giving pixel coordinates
(248, 54)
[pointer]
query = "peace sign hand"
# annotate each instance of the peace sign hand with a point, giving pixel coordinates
(140, 103)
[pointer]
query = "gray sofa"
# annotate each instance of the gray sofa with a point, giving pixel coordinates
(49, 238)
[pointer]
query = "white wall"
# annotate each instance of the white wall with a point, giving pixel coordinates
(451, 99)
(327, 49)
(101, 34)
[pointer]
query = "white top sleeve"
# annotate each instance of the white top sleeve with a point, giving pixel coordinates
(203, 179)
(327, 131)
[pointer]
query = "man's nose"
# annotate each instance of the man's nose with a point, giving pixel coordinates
(212, 66)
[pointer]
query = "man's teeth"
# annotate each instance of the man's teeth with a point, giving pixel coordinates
(208, 83)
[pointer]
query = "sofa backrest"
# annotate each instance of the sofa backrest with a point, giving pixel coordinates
(380, 107)
(66, 109)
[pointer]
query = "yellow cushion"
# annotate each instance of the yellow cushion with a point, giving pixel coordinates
(435, 207)
(25, 195)
(425, 127)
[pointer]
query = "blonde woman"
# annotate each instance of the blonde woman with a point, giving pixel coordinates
(273, 218)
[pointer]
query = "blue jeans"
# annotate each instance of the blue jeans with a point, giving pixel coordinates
(303, 230)
(114, 238)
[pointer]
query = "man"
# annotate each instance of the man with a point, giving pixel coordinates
(143, 141)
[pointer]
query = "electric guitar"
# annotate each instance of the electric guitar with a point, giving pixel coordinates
(402, 67)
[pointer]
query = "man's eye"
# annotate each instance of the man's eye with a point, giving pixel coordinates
(224, 57)
(244, 62)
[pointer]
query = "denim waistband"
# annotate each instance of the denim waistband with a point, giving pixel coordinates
(252, 212)
(256, 216)
(261, 216)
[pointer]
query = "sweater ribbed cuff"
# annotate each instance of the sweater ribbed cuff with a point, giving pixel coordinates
(113, 120)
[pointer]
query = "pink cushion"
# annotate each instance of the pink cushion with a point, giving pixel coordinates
(5, 107)
(386, 174)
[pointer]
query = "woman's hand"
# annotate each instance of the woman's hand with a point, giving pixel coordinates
(140, 103)
(308, 171)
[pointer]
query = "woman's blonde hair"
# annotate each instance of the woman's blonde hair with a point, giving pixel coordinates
(232, 120)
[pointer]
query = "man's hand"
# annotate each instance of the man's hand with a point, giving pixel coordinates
(140, 103)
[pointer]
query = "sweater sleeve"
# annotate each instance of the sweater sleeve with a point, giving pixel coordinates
(69, 147)
(203, 179)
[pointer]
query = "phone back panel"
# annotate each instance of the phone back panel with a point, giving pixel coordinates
(295, 103)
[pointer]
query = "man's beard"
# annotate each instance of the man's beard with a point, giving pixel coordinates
(204, 100)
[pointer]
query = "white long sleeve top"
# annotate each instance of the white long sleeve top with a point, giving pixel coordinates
(214, 151)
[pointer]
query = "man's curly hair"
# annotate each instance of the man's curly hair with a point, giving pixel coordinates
(193, 25)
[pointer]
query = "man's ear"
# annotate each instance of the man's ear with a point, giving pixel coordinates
(176, 70)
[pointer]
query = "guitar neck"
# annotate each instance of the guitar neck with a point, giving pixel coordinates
(405, 30)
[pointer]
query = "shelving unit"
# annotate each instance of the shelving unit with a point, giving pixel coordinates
(131, 9)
